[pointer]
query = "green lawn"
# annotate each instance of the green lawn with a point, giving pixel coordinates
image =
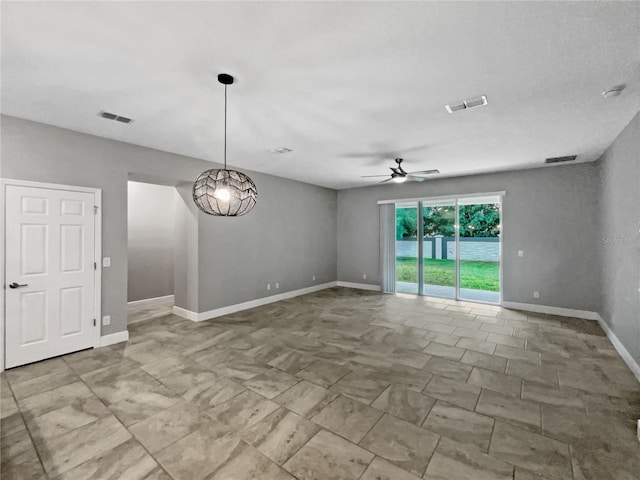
(473, 274)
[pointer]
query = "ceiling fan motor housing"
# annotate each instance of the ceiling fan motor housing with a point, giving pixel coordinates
(398, 171)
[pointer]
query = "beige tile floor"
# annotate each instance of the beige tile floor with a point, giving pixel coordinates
(140, 313)
(341, 384)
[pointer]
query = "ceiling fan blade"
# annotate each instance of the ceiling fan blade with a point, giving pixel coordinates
(413, 178)
(416, 148)
(365, 176)
(387, 180)
(375, 155)
(424, 172)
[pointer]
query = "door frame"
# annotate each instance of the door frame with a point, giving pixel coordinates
(97, 255)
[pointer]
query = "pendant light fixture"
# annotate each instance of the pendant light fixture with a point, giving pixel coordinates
(222, 192)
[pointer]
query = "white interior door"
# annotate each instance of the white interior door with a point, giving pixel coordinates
(50, 280)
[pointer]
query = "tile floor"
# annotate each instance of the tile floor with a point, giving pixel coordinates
(341, 384)
(140, 313)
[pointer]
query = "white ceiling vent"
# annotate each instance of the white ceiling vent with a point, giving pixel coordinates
(281, 150)
(466, 104)
(568, 158)
(113, 116)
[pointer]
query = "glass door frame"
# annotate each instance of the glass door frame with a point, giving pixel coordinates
(456, 229)
(420, 250)
(453, 200)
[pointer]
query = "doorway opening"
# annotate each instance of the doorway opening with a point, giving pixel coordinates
(450, 248)
(151, 239)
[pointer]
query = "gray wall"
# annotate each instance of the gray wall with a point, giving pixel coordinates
(186, 249)
(296, 240)
(38, 152)
(553, 214)
(620, 239)
(150, 233)
(550, 213)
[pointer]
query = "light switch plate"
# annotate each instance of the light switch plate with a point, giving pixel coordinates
(521, 253)
(106, 320)
(106, 262)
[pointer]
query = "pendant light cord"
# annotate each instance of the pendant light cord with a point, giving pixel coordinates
(225, 127)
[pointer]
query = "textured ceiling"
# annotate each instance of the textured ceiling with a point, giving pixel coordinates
(347, 86)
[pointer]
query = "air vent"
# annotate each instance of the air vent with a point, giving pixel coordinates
(113, 116)
(454, 107)
(281, 150)
(470, 103)
(568, 158)
(613, 92)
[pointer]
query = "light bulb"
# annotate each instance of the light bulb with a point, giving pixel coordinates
(222, 194)
(399, 179)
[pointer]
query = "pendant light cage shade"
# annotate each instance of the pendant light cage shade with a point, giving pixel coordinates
(224, 193)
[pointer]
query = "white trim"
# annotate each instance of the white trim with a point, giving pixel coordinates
(500, 251)
(49, 186)
(359, 286)
(563, 312)
(98, 270)
(114, 338)
(620, 348)
(444, 197)
(184, 313)
(219, 312)
(150, 302)
(97, 192)
(2, 270)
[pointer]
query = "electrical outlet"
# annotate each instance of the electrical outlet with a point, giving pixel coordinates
(536, 294)
(106, 262)
(277, 285)
(521, 253)
(364, 276)
(268, 286)
(106, 320)
(313, 278)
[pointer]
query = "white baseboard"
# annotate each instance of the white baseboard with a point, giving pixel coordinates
(620, 348)
(563, 312)
(184, 313)
(219, 312)
(359, 286)
(150, 302)
(114, 338)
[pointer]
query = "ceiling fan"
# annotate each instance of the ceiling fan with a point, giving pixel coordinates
(384, 151)
(399, 175)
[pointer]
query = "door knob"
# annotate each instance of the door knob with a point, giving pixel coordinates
(18, 285)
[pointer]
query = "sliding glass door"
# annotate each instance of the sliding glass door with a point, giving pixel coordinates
(451, 250)
(479, 241)
(407, 248)
(439, 253)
